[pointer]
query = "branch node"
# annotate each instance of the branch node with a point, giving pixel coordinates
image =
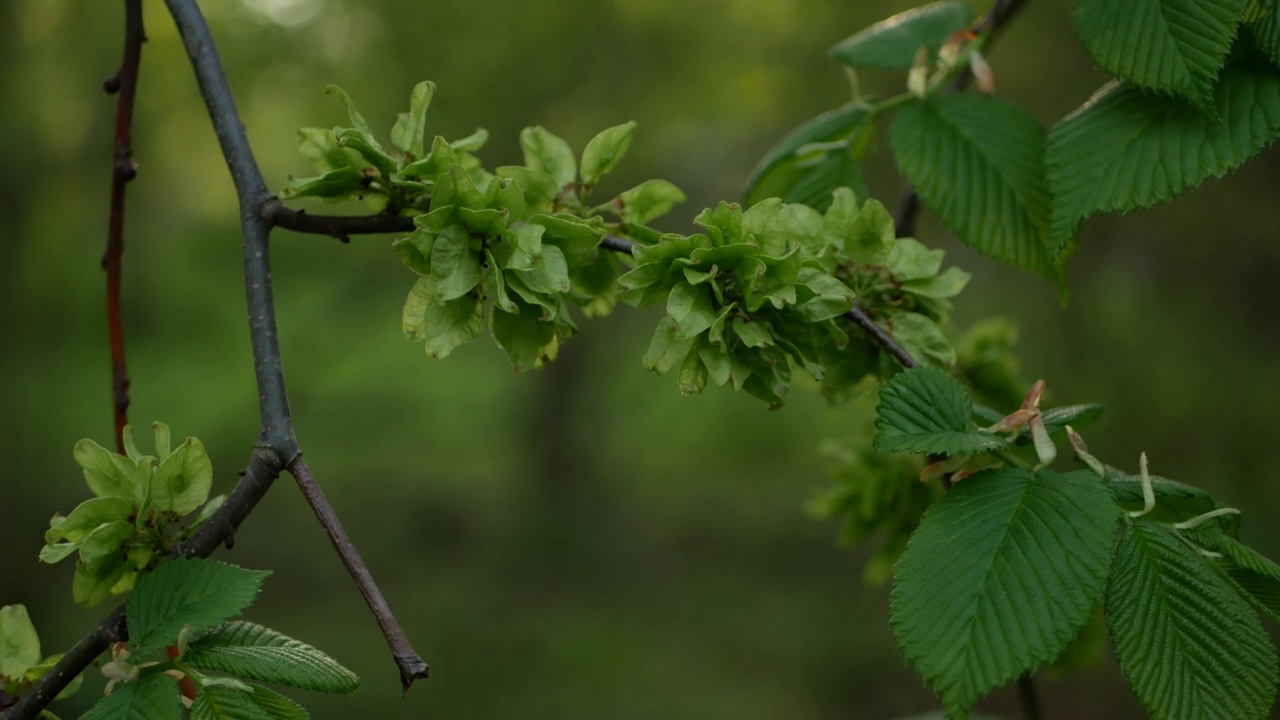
(111, 85)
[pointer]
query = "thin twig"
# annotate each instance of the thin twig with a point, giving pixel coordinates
(411, 666)
(123, 169)
(1003, 11)
(1030, 699)
(277, 445)
(877, 333)
(258, 210)
(335, 226)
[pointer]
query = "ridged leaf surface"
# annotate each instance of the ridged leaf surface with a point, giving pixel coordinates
(978, 162)
(1189, 645)
(893, 43)
(923, 410)
(1125, 150)
(252, 651)
(1169, 46)
(1001, 575)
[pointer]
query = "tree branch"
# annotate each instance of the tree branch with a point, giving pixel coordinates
(335, 226)
(856, 314)
(411, 666)
(123, 169)
(882, 338)
(217, 530)
(277, 446)
(1001, 13)
(273, 404)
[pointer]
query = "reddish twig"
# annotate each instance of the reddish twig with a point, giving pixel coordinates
(123, 170)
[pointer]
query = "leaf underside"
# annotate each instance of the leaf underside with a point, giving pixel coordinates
(1125, 150)
(252, 651)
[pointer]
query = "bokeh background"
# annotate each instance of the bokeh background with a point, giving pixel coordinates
(580, 542)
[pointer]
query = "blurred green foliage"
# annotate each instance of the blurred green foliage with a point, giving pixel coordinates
(582, 541)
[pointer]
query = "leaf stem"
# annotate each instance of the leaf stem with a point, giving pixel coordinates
(1011, 458)
(1030, 698)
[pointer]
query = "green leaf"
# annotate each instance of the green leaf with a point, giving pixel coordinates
(576, 237)
(893, 43)
(86, 518)
(978, 162)
(548, 154)
(923, 410)
(182, 482)
(649, 200)
(108, 474)
(154, 696)
(187, 591)
(1169, 46)
(604, 151)
(910, 259)
(1002, 573)
(320, 147)
(752, 334)
(414, 316)
(922, 339)
(809, 162)
(831, 297)
(161, 432)
(57, 552)
(410, 136)
(449, 325)
(455, 264)
(369, 149)
(667, 348)
(947, 284)
(254, 652)
(275, 705)
(1175, 501)
(19, 643)
(549, 274)
(528, 342)
(690, 307)
(1124, 150)
(219, 702)
(692, 377)
(356, 118)
(1078, 416)
(495, 287)
(111, 576)
(104, 542)
(1256, 576)
(333, 185)
(35, 672)
(472, 142)
(538, 187)
(1188, 644)
(206, 511)
(1262, 17)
